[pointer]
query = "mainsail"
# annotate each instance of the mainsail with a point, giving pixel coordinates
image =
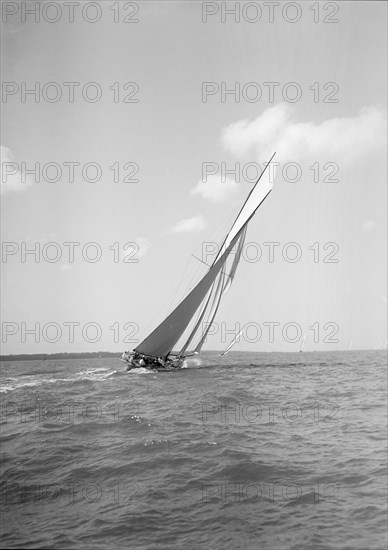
(186, 327)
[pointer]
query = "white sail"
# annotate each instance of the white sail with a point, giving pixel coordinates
(252, 203)
(302, 345)
(235, 339)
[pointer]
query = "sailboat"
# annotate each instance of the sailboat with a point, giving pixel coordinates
(235, 339)
(183, 332)
(302, 344)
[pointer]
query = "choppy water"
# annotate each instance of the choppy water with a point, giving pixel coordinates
(270, 451)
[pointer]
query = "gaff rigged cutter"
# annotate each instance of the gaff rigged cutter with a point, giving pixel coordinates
(182, 334)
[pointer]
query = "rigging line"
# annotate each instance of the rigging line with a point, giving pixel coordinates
(222, 221)
(189, 287)
(208, 265)
(177, 288)
(246, 222)
(179, 284)
(222, 277)
(219, 290)
(199, 259)
(214, 229)
(212, 312)
(205, 313)
(225, 285)
(162, 340)
(163, 306)
(193, 330)
(165, 303)
(183, 275)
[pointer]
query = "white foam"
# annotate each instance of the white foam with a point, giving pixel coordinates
(96, 374)
(140, 370)
(193, 361)
(12, 384)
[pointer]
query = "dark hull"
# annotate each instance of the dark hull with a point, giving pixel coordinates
(152, 363)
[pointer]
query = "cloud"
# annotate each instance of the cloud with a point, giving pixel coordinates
(188, 225)
(136, 249)
(214, 189)
(11, 177)
(341, 139)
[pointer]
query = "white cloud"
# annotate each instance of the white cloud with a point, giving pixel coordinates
(11, 177)
(192, 225)
(214, 189)
(340, 139)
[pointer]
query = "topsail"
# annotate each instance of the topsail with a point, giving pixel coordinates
(184, 330)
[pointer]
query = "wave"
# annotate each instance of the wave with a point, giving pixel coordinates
(92, 374)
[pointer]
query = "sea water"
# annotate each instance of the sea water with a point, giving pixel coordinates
(249, 451)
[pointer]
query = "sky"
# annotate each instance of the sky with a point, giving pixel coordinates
(153, 144)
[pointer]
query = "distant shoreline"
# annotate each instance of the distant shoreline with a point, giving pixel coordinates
(45, 356)
(113, 354)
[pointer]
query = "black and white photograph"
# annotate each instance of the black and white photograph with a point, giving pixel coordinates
(193, 275)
